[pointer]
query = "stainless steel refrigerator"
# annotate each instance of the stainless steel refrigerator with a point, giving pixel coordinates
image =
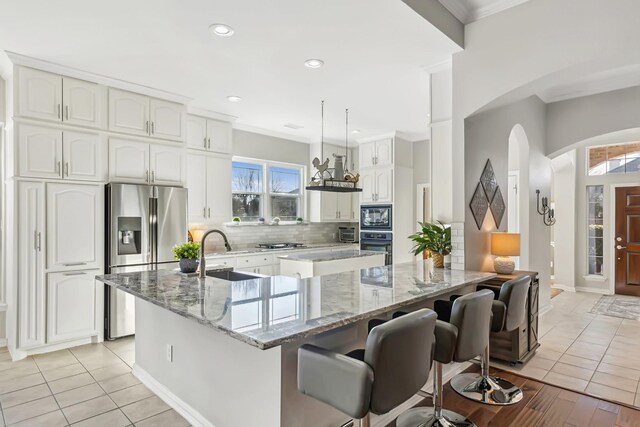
(143, 223)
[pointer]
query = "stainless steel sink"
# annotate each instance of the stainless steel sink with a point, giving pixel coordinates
(232, 276)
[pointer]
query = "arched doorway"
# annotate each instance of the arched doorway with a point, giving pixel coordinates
(518, 191)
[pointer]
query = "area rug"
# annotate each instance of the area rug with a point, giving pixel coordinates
(626, 307)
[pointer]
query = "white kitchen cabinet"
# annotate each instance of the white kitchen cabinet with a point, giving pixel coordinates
(71, 305)
(84, 155)
(31, 241)
(377, 153)
(39, 94)
(209, 184)
(128, 112)
(74, 226)
(83, 103)
(197, 133)
(344, 206)
(167, 119)
(166, 165)
(128, 161)
(377, 185)
(335, 207)
(39, 151)
(209, 135)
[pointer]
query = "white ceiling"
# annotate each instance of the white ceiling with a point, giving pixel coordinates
(468, 11)
(375, 53)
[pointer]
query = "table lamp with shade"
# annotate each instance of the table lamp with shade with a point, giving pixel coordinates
(505, 245)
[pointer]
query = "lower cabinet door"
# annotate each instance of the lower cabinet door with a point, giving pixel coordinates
(71, 305)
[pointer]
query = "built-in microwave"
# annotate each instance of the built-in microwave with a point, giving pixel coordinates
(375, 217)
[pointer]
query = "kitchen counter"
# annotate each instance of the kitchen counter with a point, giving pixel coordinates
(333, 301)
(322, 256)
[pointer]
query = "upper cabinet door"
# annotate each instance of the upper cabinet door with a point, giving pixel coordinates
(344, 206)
(167, 165)
(167, 120)
(384, 152)
(128, 161)
(368, 185)
(128, 112)
(197, 185)
(39, 151)
(384, 185)
(367, 154)
(218, 189)
(197, 133)
(329, 206)
(83, 103)
(39, 95)
(219, 136)
(74, 226)
(85, 156)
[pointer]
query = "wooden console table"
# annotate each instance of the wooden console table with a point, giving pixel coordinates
(519, 345)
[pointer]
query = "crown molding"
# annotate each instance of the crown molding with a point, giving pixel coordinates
(376, 137)
(275, 134)
(457, 9)
(51, 67)
(196, 111)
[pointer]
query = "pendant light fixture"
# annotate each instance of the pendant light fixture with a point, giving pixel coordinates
(323, 180)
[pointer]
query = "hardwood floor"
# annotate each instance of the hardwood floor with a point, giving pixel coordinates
(542, 405)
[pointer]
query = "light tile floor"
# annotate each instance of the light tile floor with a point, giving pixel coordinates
(594, 354)
(86, 386)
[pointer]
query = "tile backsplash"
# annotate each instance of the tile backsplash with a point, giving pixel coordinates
(248, 236)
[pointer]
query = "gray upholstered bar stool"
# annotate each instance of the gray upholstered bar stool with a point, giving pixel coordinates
(393, 367)
(464, 337)
(509, 312)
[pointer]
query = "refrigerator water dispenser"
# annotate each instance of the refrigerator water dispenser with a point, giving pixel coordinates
(129, 235)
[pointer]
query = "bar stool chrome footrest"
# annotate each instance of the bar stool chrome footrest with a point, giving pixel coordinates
(426, 417)
(490, 390)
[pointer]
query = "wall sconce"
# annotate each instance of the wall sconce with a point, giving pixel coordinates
(548, 214)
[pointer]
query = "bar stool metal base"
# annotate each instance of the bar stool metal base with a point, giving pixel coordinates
(426, 417)
(489, 390)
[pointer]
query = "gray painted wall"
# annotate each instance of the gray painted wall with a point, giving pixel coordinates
(254, 145)
(574, 120)
(487, 137)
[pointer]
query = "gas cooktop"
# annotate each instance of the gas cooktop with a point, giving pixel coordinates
(280, 245)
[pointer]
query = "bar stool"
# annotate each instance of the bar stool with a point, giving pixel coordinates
(393, 366)
(509, 312)
(463, 338)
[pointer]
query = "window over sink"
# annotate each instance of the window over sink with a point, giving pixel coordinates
(267, 189)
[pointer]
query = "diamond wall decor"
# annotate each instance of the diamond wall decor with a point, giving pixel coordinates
(479, 205)
(497, 207)
(488, 181)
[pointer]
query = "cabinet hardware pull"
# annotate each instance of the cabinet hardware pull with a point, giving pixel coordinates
(58, 167)
(66, 168)
(59, 107)
(204, 212)
(36, 240)
(153, 128)
(147, 127)
(209, 212)
(205, 142)
(66, 111)
(71, 264)
(209, 143)
(76, 273)
(153, 176)
(146, 176)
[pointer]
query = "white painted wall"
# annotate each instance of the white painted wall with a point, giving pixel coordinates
(421, 173)
(487, 137)
(565, 232)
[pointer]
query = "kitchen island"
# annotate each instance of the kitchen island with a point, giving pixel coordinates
(322, 263)
(224, 353)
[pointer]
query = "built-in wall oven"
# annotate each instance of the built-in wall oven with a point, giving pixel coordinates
(381, 241)
(376, 217)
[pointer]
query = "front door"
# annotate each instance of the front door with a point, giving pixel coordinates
(627, 241)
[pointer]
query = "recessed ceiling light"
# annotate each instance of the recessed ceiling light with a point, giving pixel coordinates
(221, 30)
(234, 98)
(314, 63)
(355, 131)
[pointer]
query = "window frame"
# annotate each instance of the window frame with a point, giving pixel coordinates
(589, 238)
(606, 161)
(266, 209)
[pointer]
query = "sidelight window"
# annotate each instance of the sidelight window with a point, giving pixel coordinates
(595, 208)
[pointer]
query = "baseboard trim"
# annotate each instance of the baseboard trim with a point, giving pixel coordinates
(3, 342)
(565, 288)
(593, 290)
(194, 417)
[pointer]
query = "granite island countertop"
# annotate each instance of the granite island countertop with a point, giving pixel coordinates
(321, 256)
(297, 308)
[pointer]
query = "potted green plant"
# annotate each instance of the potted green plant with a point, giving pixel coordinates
(236, 220)
(188, 254)
(434, 238)
(299, 220)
